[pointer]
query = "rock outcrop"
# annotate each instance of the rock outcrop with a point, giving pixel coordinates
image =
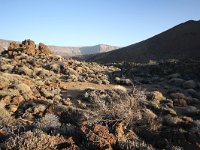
(27, 47)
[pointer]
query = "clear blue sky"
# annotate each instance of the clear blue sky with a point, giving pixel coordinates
(91, 22)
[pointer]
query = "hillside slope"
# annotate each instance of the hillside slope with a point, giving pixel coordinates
(182, 41)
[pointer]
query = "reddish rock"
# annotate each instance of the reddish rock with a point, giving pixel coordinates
(29, 47)
(44, 49)
(13, 108)
(2, 133)
(98, 136)
(6, 99)
(17, 100)
(13, 45)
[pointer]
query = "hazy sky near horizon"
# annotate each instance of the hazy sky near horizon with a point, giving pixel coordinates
(91, 22)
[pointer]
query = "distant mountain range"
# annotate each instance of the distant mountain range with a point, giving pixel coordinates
(179, 42)
(69, 51)
(4, 44)
(77, 51)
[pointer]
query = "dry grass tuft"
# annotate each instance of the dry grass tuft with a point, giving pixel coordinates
(48, 122)
(33, 140)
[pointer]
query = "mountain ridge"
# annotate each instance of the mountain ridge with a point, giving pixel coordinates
(69, 51)
(181, 41)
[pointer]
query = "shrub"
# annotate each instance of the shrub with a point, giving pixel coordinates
(123, 81)
(43, 73)
(136, 145)
(5, 117)
(9, 92)
(152, 62)
(71, 71)
(25, 70)
(169, 120)
(33, 140)
(6, 67)
(48, 122)
(11, 77)
(23, 88)
(68, 129)
(46, 93)
(196, 127)
(169, 147)
(4, 82)
(72, 78)
(112, 106)
(119, 87)
(6, 122)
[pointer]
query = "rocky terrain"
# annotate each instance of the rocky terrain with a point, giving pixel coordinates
(69, 51)
(179, 42)
(51, 102)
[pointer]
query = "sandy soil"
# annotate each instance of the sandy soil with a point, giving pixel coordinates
(75, 88)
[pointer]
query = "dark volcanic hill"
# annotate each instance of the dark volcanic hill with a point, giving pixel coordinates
(181, 41)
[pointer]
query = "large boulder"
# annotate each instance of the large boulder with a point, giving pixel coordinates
(29, 47)
(44, 49)
(13, 45)
(15, 49)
